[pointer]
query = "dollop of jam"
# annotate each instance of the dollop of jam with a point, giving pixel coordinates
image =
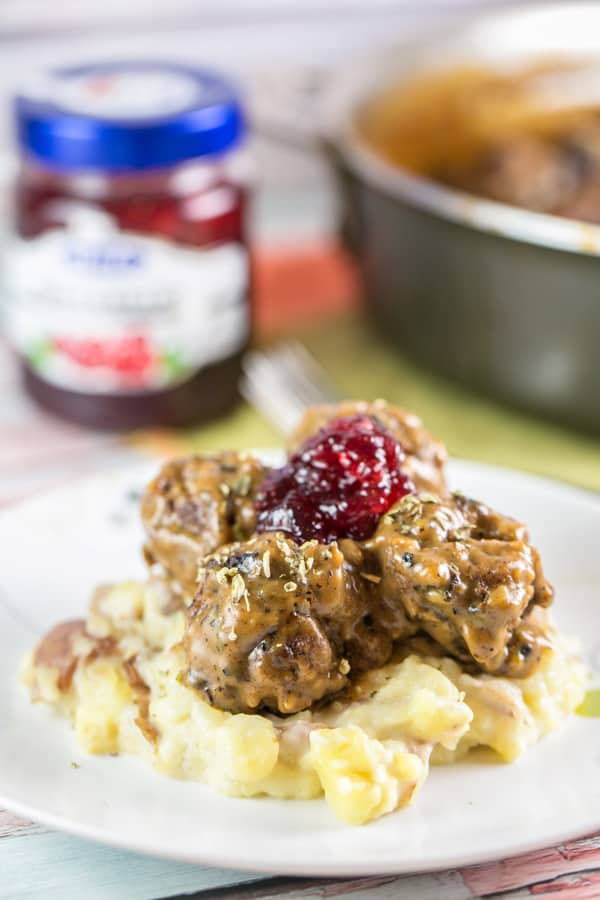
(337, 484)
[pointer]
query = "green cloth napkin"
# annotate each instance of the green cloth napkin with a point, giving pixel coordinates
(364, 366)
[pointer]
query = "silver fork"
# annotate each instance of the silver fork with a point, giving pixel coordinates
(281, 382)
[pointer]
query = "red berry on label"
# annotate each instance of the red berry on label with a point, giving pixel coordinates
(337, 484)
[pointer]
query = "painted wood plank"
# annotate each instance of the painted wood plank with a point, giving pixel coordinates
(11, 824)
(578, 886)
(55, 866)
(446, 885)
(541, 865)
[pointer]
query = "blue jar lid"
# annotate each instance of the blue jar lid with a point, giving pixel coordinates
(127, 116)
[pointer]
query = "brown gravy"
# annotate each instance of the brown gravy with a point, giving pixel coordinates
(529, 137)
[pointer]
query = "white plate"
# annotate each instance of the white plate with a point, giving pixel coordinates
(53, 549)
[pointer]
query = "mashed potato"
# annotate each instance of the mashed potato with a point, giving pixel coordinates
(368, 755)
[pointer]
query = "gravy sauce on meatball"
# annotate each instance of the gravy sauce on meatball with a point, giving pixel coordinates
(279, 626)
(196, 505)
(468, 577)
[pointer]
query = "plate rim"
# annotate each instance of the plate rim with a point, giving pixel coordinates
(350, 870)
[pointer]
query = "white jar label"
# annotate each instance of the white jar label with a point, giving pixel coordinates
(96, 310)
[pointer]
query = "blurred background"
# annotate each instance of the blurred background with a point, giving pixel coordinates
(310, 281)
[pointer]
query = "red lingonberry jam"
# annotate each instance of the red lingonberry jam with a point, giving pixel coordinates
(337, 484)
(127, 377)
(128, 277)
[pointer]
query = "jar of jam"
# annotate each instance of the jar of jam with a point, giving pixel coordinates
(128, 275)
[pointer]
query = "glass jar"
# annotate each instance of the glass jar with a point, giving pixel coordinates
(128, 276)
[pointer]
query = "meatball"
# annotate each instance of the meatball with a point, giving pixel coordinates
(425, 455)
(468, 577)
(194, 506)
(279, 626)
(525, 171)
